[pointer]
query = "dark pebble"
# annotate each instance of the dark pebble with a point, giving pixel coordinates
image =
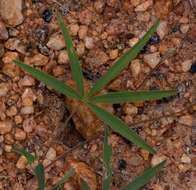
(88, 74)
(155, 39)
(122, 164)
(193, 68)
(144, 49)
(47, 15)
(41, 34)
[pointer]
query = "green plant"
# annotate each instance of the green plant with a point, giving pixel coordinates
(91, 98)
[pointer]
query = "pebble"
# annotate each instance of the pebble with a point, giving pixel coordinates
(5, 126)
(99, 6)
(27, 81)
(113, 54)
(156, 159)
(152, 59)
(184, 28)
(27, 110)
(28, 97)
(38, 60)
(21, 163)
(74, 28)
(162, 29)
(9, 68)
(12, 111)
(193, 68)
(135, 160)
(47, 15)
(185, 159)
(163, 8)
(29, 124)
(80, 49)
(82, 33)
(3, 31)
(2, 50)
(186, 120)
(51, 154)
(186, 65)
(20, 135)
(129, 109)
(133, 41)
(135, 67)
(144, 6)
(56, 42)
(122, 164)
(63, 57)
(3, 89)
(89, 43)
(11, 11)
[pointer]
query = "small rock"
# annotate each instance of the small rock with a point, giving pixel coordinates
(3, 89)
(3, 31)
(185, 159)
(47, 15)
(162, 29)
(156, 159)
(27, 81)
(89, 43)
(184, 28)
(38, 60)
(29, 124)
(9, 68)
(113, 54)
(2, 50)
(56, 42)
(21, 163)
(11, 11)
(163, 8)
(83, 171)
(5, 127)
(152, 59)
(193, 68)
(99, 6)
(27, 110)
(129, 109)
(144, 6)
(135, 160)
(12, 111)
(122, 164)
(186, 65)
(83, 31)
(58, 70)
(133, 41)
(63, 57)
(186, 119)
(80, 49)
(20, 135)
(135, 67)
(74, 28)
(28, 97)
(51, 154)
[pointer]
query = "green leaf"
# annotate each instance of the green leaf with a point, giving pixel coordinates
(75, 64)
(30, 158)
(123, 62)
(120, 127)
(132, 96)
(143, 179)
(39, 172)
(84, 185)
(49, 80)
(107, 156)
(64, 179)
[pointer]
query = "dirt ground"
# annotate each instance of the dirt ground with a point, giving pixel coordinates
(35, 117)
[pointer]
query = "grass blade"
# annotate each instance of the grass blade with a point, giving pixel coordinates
(39, 172)
(74, 61)
(64, 179)
(107, 156)
(22, 151)
(132, 96)
(84, 185)
(49, 80)
(123, 61)
(143, 179)
(120, 127)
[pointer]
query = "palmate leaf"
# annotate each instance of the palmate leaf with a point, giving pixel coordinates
(107, 156)
(132, 96)
(65, 178)
(123, 62)
(49, 80)
(74, 61)
(120, 127)
(39, 173)
(143, 179)
(30, 158)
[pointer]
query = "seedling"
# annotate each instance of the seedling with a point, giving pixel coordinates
(91, 99)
